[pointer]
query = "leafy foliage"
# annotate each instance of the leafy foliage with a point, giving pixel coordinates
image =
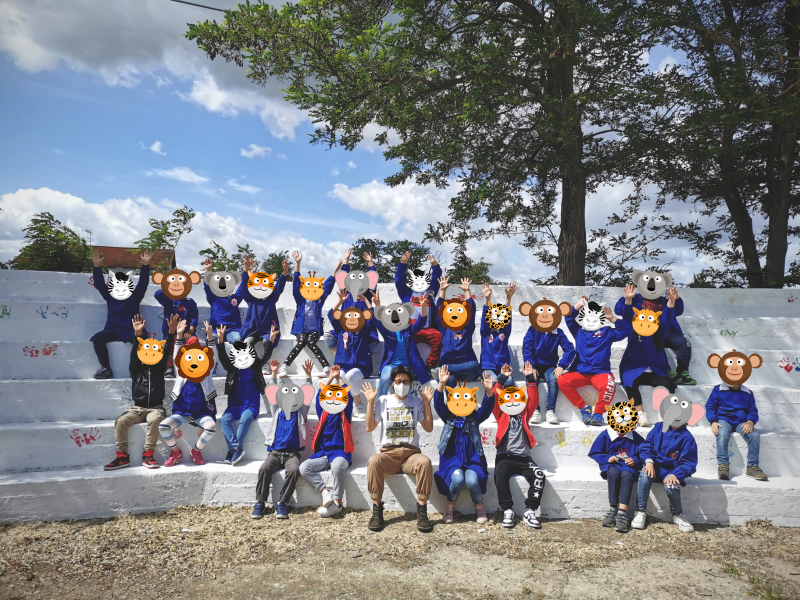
(235, 262)
(386, 255)
(52, 246)
(166, 234)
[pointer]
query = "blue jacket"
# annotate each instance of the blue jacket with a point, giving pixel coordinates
(261, 314)
(733, 406)
(457, 345)
(350, 301)
(186, 310)
(332, 442)
(223, 312)
(353, 352)
(541, 349)
(407, 295)
(121, 312)
(299, 313)
(494, 344)
(594, 347)
(609, 444)
(672, 452)
(644, 351)
(415, 361)
(192, 402)
(656, 305)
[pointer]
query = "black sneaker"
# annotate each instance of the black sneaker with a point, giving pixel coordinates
(229, 455)
(610, 518)
(376, 522)
(122, 461)
(423, 523)
(622, 523)
(104, 373)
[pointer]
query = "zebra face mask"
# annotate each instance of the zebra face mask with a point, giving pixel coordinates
(241, 354)
(591, 317)
(120, 285)
(418, 280)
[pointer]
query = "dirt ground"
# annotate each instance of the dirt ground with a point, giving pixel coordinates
(202, 552)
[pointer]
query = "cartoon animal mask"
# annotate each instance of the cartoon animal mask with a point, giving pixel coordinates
(241, 354)
(545, 316)
(622, 417)
(120, 285)
(150, 350)
(260, 285)
(676, 410)
(512, 400)
(498, 316)
(195, 362)
(395, 317)
(222, 283)
(352, 319)
(176, 284)
(650, 284)
(591, 317)
(311, 287)
(461, 400)
(646, 321)
(418, 280)
(734, 368)
(454, 314)
(289, 397)
(356, 282)
(333, 398)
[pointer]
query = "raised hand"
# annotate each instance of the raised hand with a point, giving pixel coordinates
(432, 260)
(308, 367)
(528, 369)
(343, 296)
(487, 382)
(672, 293)
(138, 324)
(208, 263)
(511, 290)
(274, 331)
(172, 323)
(209, 331)
(220, 332)
(444, 282)
(444, 373)
(465, 283)
(487, 292)
(369, 392)
(181, 328)
(367, 256)
(147, 256)
(347, 256)
(609, 314)
(426, 394)
(274, 365)
(630, 292)
(376, 297)
(405, 257)
(297, 257)
(285, 266)
(249, 263)
(97, 258)
(506, 370)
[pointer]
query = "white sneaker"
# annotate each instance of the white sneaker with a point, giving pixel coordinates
(326, 498)
(639, 520)
(333, 509)
(536, 416)
(508, 518)
(552, 418)
(683, 524)
(326, 371)
(530, 519)
(283, 372)
(643, 421)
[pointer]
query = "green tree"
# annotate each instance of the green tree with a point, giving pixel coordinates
(518, 101)
(219, 256)
(165, 235)
(52, 246)
(235, 262)
(274, 263)
(386, 255)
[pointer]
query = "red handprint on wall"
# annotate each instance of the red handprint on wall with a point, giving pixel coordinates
(30, 351)
(85, 438)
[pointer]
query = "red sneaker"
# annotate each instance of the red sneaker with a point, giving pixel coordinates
(174, 458)
(148, 460)
(122, 461)
(197, 457)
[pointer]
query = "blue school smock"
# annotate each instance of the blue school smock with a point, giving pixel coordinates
(244, 396)
(644, 351)
(457, 345)
(332, 442)
(186, 309)
(733, 406)
(354, 352)
(494, 344)
(594, 347)
(609, 444)
(406, 294)
(541, 349)
(672, 452)
(192, 402)
(223, 312)
(121, 312)
(261, 314)
(656, 305)
(300, 311)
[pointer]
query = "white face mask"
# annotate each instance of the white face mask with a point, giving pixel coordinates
(401, 389)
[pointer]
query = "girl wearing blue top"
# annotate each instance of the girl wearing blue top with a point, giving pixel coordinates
(461, 456)
(353, 354)
(494, 340)
(457, 352)
(224, 310)
(261, 313)
(186, 309)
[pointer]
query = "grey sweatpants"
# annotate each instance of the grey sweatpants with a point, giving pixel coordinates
(271, 465)
(312, 467)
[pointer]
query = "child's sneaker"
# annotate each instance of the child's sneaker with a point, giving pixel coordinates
(536, 416)
(326, 371)
(508, 519)
(685, 379)
(327, 499)
(447, 517)
(643, 420)
(280, 511)
(258, 510)
(333, 509)
(283, 371)
(552, 419)
(104, 373)
(530, 519)
(672, 375)
(622, 522)
(238, 455)
(229, 455)
(148, 460)
(639, 520)
(481, 514)
(122, 461)
(174, 458)
(170, 372)
(435, 373)
(682, 523)
(756, 473)
(196, 456)
(586, 414)
(610, 518)
(723, 471)
(597, 420)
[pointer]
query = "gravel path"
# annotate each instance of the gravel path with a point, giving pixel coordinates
(203, 552)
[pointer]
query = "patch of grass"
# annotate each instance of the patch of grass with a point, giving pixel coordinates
(527, 591)
(731, 569)
(764, 590)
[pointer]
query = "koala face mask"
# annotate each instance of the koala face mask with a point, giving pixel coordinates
(395, 317)
(651, 284)
(222, 284)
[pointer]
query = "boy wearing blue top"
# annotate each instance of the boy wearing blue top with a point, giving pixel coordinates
(186, 309)
(332, 337)
(261, 313)
(457, 352)
(413, 287)
(495, 329)
(224, 310)
(353, 352)
(670, 457)
(732, 408)
(123, 302)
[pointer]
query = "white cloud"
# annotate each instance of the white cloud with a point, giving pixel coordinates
(184, 174)
(243, 187)
(283, 157)
(368, 142)
(667, 62)
(335, 172)
(254, 150)
(351, 165)
(156, 147)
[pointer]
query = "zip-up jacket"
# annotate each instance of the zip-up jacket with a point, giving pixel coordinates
(147, 381)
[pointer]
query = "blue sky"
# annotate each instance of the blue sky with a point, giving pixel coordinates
(88, 89)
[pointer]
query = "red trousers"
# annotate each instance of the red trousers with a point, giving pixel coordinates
(433, 338)
(602, 382)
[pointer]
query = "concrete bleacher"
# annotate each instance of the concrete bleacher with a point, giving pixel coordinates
(49, 402)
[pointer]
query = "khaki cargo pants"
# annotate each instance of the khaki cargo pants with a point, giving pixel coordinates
(392, 460)
(137, 414)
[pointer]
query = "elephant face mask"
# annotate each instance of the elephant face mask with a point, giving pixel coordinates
(676, 410)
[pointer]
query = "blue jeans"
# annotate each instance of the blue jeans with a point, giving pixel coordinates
(457, 481)
(235, 439)
(552, 387)
(678, 343)
(466, 371)
(753, 440)
(673, 495)
(230, 337)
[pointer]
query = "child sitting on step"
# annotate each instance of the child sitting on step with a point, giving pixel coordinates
(186, 309)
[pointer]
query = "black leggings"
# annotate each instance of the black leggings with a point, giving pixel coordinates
(310, 341)
(651, 379)
(620, 484)
(100, 339)
(505, 467)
